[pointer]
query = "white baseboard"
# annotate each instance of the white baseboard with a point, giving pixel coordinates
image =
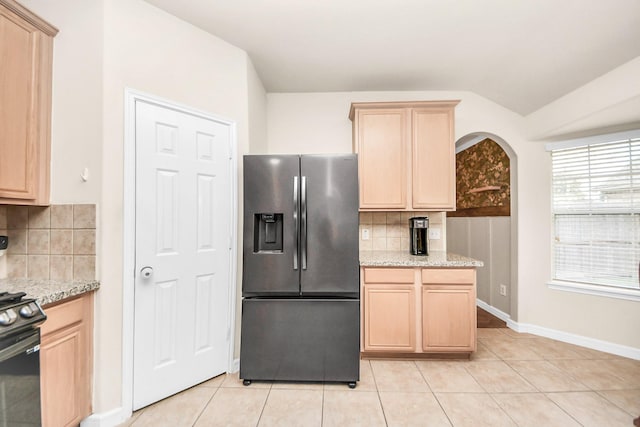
(592, 343)
(110, 418)
(490, 309)
(118, 416)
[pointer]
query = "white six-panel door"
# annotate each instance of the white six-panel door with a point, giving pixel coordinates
(183, 229)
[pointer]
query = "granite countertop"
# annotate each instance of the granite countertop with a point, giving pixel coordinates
(48, 291)
(405, 259)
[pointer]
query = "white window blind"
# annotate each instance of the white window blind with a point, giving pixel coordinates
(596, 213)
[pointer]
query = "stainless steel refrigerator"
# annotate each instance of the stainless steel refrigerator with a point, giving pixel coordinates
(300, 282)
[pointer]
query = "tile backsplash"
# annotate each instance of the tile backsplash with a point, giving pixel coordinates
(49, 242)
(390, 230)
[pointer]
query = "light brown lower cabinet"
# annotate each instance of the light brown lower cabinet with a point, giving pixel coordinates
(390, 318)
(66, 355)
(418, 310)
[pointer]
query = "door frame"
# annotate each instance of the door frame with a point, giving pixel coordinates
(131, 96)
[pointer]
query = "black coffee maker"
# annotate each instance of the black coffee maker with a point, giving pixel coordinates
(419, 228)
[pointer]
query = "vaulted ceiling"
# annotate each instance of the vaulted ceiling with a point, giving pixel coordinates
(521, 54)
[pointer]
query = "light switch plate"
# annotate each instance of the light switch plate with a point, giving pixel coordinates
(503, 290)
(365, 234)
(434, 233)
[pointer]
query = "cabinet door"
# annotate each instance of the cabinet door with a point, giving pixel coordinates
(65, 362)
(433, 166)
(389, 317)
(25, 105)
(380, 137)
(448, 318)
(60, 360)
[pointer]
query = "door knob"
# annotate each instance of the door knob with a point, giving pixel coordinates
(146, 272)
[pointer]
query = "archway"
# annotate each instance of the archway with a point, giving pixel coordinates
(486, 232)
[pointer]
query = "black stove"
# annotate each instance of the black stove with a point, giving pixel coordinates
(20, 360)
(18, 314)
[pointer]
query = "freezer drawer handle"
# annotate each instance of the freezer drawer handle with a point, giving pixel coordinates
(303, 219)
(295, 221)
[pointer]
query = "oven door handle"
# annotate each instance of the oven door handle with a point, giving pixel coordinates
(23, 344)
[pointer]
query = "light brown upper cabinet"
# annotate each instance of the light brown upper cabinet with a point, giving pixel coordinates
(26, 51)
(406, 154)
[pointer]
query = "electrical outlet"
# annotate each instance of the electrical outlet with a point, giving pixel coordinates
(434, 233)
(503, 290)
(4, 242)
(365, 234)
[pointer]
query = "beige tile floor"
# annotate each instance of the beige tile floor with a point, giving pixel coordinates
(513, 380)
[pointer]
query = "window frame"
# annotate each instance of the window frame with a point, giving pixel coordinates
(610, 291)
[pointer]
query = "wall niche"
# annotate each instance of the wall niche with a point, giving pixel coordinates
(482, 181)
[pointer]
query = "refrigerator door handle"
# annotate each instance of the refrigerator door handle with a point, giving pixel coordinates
(303, 220)
(295, 222)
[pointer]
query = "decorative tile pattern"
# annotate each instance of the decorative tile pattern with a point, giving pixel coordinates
(84, 242)
(61, 242)
(16, 266)
(38, 242)
(389, 231)
(38, 266)
(61, 267)
(17, 241)
(17, 217)
(62, 216)
(84, 267)
(84, 216)
(39, 217)
(39, 236)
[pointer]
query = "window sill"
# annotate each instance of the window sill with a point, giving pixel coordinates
(602, 291)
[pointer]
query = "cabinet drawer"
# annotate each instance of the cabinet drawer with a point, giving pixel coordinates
(453, 276)
(63, 315)
(389, 275)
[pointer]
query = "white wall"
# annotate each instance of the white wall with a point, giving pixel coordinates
(609, 103)
(308, 123)
(151, 51)
(103, 48)
(257, 111)
(76, 113)
(318, 122)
